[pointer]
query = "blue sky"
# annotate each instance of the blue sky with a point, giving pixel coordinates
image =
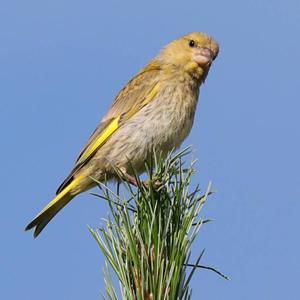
(62, 63)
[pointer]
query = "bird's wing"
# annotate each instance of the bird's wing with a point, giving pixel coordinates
(137, 93)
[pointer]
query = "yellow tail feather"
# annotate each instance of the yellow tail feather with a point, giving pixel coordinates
(45, 216)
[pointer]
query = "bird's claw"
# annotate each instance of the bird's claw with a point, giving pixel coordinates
(156, 184)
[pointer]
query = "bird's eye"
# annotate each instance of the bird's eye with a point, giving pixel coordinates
(192, 43)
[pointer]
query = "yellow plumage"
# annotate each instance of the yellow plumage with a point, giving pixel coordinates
(154, 110)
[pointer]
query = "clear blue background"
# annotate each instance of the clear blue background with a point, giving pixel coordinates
(62, 63)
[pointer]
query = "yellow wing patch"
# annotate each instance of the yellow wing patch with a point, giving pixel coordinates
(114, 125)
(107, 132)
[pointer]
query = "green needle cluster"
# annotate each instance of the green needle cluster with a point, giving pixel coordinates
(148, 235)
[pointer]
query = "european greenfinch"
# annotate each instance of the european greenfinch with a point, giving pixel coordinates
(155, 110)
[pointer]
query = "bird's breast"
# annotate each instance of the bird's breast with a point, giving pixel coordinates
(170, 116)
(162, 125)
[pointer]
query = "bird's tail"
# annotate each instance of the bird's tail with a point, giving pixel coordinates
(45, 216)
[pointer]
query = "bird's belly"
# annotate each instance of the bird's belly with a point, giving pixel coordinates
(161, 126)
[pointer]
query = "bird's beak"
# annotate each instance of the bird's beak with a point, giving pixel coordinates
(203, 56)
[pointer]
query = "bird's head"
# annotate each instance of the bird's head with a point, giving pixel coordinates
(192, 53)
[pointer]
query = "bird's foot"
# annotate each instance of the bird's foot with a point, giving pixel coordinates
(156, 184)
(130, 179)
(147, 183)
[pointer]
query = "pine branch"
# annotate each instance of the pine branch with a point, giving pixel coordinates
(147, 239)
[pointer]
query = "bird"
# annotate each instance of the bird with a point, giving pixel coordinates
(154, 110)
